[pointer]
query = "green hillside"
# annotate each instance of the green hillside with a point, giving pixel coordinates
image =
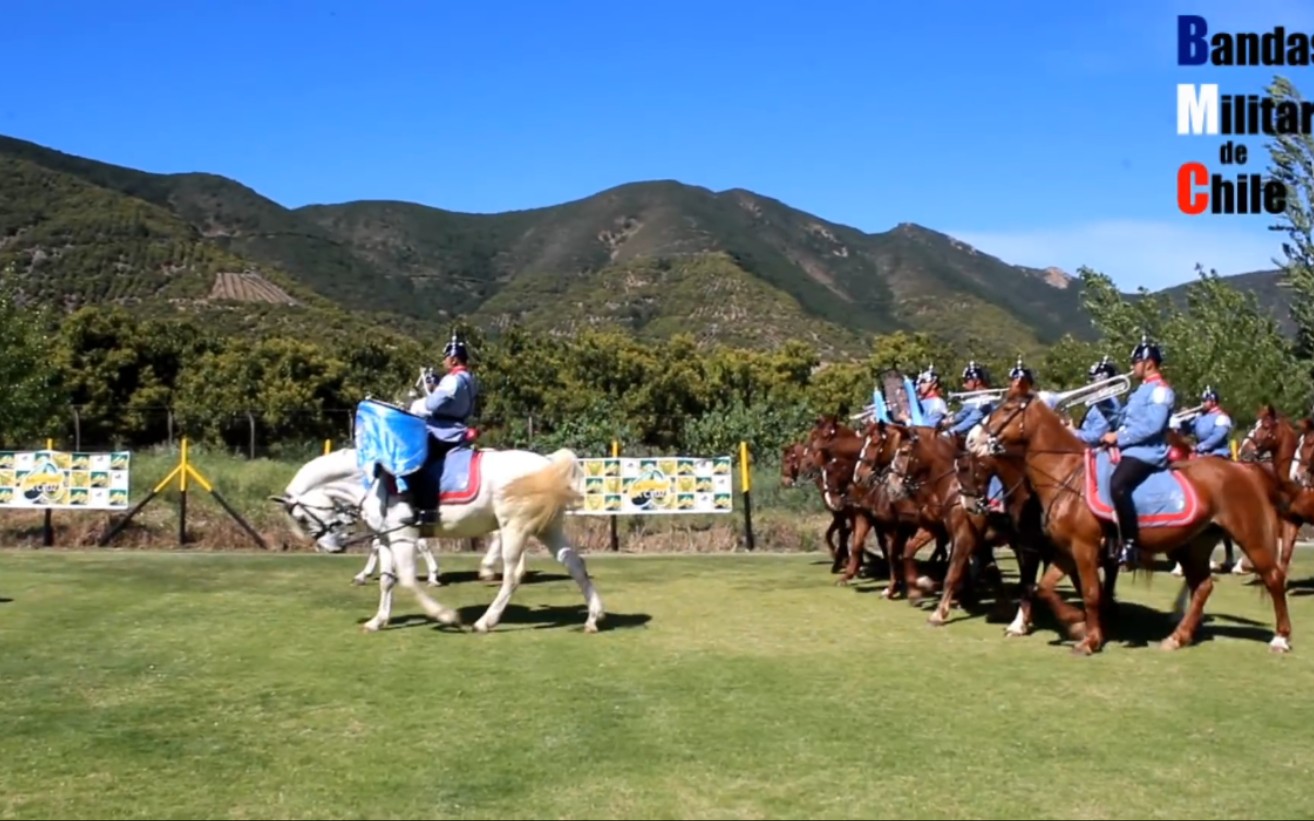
(634, 257)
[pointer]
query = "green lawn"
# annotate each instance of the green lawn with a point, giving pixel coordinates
(190, 685)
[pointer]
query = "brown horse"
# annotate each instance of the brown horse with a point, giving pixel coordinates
(902, 524)
(957, 483)
(831, 449)
(1019, 523)
(794, 465)
(925, 470)
(896, 529)
(1027, 513)
(1288, 472)
(1227, 497)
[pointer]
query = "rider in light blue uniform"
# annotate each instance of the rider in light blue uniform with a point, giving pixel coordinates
(1104, 415)
(449, 404)
(934, 408)
(977, 409)
(1213, 427)
(1142, 440)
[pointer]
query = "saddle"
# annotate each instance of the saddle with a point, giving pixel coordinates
(1165, 499)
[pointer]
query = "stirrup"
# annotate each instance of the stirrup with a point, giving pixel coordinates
(1129, 554)
(428, 516)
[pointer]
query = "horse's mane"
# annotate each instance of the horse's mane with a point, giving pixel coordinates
(1067, 437)
(334, 466)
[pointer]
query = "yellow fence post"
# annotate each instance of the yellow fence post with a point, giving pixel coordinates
(615, 529)
(328, 446)
(182, 495)
(47, 518)
(746, 483)
(183, 470)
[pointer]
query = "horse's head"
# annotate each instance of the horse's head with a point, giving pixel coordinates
(910, 461)
(791, 464)
(1305, 453)
(319, 516)
(879, 440)
(824, 431)
(973, 474)
(323, 500)
(1268, 432)
(1012, 427)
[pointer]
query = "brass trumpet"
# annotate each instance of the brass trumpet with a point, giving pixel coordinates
(1184, 416)
(992, 393)
(1093, 392)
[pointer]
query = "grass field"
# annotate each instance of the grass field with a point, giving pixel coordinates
(229, 685)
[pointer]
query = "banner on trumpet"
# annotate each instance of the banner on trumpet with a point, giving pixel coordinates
(894, 397)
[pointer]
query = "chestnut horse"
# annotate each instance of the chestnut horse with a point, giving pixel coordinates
(897, 518)
(794, 465)
(924, 470)
(1290, 452)
(939, 477)
(1230, 498)
(894, 527)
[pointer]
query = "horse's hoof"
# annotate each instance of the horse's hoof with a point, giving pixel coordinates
(1011, 632)
(480, 627)
(1170, 643)
(1280, 644)
(936, 620)
(435, 583)
(1082, 649)
(590, 627)
(370, 626)
(358, 580)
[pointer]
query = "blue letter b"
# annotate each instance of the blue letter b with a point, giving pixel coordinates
(1192, 47)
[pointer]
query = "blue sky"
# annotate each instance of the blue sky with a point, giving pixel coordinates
(1038, 131)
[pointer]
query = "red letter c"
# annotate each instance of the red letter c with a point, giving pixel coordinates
(1192, 173)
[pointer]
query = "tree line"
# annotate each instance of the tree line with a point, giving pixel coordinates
(584, 391)
(675, 396)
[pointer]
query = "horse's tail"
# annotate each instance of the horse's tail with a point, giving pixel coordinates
(535, 500)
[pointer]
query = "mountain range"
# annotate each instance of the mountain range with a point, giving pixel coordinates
(648, 258)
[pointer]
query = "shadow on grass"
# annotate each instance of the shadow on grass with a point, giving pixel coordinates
(530, 577)
(543, 617)
(1296, 587)
(1133, 624)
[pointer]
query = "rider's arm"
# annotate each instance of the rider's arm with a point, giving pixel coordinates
(1145, 421)
(1092, 427)
(971, 417)
(443, 397)
(1216, 437)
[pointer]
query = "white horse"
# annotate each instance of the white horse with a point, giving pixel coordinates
(331, 509)
(521, 494)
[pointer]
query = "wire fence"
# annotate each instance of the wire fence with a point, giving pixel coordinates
(247, 433)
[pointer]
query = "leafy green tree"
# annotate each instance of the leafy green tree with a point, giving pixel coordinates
(1292, 163)
(1223, 338)
(29, 397)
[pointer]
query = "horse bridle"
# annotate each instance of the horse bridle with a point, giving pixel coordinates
(341, 515)
(998, 449)
(879, 474)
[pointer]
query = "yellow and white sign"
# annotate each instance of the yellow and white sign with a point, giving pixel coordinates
(57, 479)
(632, 485)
